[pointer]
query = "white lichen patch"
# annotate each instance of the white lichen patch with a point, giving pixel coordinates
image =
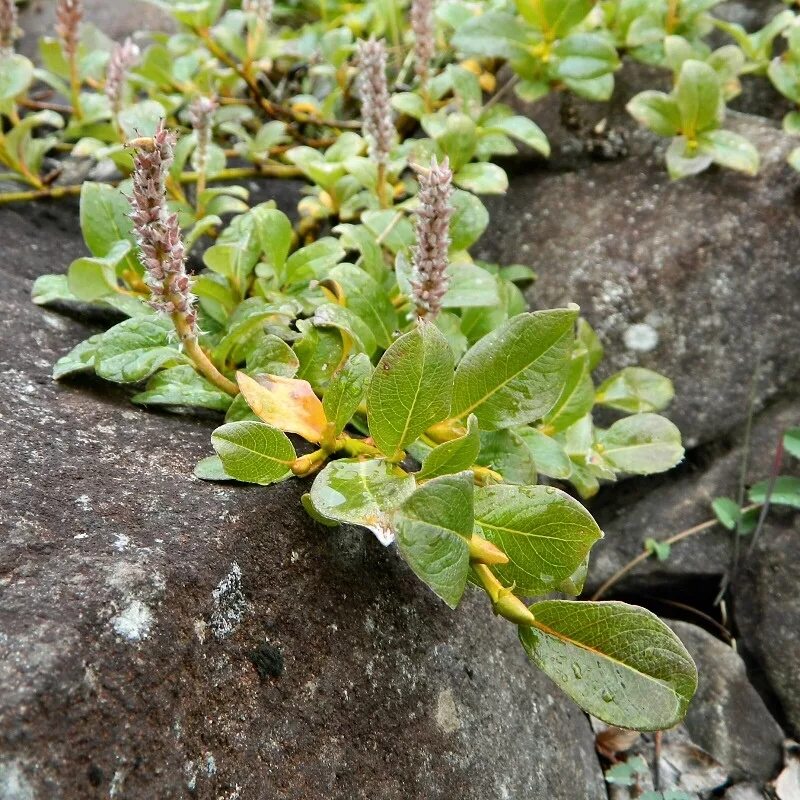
(14, 784)
(446, 712)
(642, 338)
(229, 603)
(121, 542)
(134, 621)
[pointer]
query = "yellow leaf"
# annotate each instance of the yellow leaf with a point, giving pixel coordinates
(285, 403)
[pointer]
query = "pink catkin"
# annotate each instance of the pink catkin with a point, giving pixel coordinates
(201, 113)
(429, 279)
(69, 14)
(376, 109)
(422, 23)
(123, 57)
(8, 26)
(157, 230)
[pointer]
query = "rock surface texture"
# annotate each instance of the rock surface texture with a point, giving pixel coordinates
(164, 637)
(693, 278)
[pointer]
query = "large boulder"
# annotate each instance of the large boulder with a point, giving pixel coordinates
(696, 278)
(767, 612)
(164, 637)
(727, 717)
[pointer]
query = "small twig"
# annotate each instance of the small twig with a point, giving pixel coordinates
(657, 760)
(645, 554)
(502, 91)
(40, 105)
(234, 173)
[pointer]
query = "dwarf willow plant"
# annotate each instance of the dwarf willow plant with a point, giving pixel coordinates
(362, 346)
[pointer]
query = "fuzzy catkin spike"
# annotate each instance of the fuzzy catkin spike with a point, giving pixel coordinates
(8, 26)
(123, 57)
(69, 14)
(422, 23)
(261, 8)
(201, 112)
(157, 230)
(429, 279)
(376, 108)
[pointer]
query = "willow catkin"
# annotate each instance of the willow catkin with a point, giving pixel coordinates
(429, 280)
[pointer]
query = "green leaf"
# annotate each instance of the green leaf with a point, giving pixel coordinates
(683, 162)
(270, 355)
(554, 17)
(433, 528)
(727, 512)
(409, 103)
(182, 386)
(698, 96)
(79, 359)
(791, 441)
(525, 130)
(785, 492)
(141, 119)
(576, 399)
(135, 349)
(470, 219)
(642, 444)
(730, 150)
(16, 75)
(657, 111)
(211, 469)
(346, 391)
(332, 315)
(105, 218)
(470, 286)
(635, 390)
(507, 453)
(91, 278)
(546, 534)
(362, 493)
(549, 455)
(411, 389)
(584, 57)
(514, 375)
(494, 34)
(51, 289)
(618, 662)
(369, 301)
(320, 352)
(254, 452)
(454, 456)
(482, 178)
(274, 231)
(660, 550)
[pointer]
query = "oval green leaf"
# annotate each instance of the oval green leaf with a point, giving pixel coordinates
(545, 533)
(253, 452)
(515, 375)
(616, 661)
(411, 388)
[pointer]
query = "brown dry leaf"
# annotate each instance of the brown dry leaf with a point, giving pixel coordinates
(285, 403)
(787, 784)
(612, 741)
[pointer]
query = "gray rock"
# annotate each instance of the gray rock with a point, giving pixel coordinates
(692, 278)
(116, 20)
(658, 508)
(745, 791)
(767, 612)
(727, 717)
(161, 636)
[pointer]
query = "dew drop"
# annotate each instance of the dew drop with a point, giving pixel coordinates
(607, 696)
(576, 669)
(550, 490)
